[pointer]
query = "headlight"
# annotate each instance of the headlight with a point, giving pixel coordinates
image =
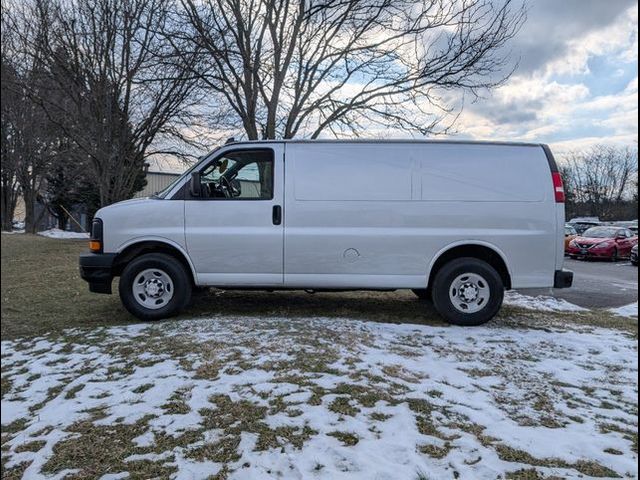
(95, 241)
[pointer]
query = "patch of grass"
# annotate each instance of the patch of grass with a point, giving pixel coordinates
(398, 371)
(420, 405)
(510, 454)
(42, 290)
(342, 406)
(613, 451)
(222, 451)
(34, 446)
(586, 467)
(477, 372)
(348, 439)
(279, 436)
(6, 384)
(14, 473)
(594, 469)
(15, 427)
(525, 474)
(234, 418)
(177, 403)
(435, 451)
(366, 396)
(209, 370)
(71, 393)
(143, 388)
(379, 416)
(96, 450)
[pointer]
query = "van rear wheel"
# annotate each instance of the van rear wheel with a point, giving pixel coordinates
(467, 291)
(154, 286)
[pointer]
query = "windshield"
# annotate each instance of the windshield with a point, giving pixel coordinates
(600, 232)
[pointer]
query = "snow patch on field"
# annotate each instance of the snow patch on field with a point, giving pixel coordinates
(321, 398)
(540, 303)
(630, 310)
(57, 233)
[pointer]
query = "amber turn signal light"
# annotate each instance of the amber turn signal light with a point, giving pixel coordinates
(95, 245)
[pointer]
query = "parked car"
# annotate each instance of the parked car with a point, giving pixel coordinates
(569, 234)
(457, 222)
(583, 226)
(631, 225)
(603, 242)
(634, 255)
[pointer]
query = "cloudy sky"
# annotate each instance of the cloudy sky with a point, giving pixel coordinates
(577, 79)
(576, 83)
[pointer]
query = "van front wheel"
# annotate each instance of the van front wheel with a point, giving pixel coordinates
(467, 291)
(154, 286)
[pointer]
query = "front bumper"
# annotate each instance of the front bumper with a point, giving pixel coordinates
(590, 252)
(97, 270)
(563, 279)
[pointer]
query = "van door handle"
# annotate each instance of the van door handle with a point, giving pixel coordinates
(276, 215)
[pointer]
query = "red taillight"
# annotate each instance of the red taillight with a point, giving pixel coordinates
(558, 187)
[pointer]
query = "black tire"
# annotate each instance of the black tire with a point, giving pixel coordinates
(422, 294)
(614, 256)
(175, 270)
(443, 282)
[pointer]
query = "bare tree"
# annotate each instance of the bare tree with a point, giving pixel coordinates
(291, 67)
(114, 85)
(26, 146)
(8, 176)
(602, 178)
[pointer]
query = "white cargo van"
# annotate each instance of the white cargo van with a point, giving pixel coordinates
(456, 222)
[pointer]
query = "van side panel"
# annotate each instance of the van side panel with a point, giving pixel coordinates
(374, 215)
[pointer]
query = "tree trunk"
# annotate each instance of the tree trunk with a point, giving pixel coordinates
(7, 209)
(29, 211)
(62, 221)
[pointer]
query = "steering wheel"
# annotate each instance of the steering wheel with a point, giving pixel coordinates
(231, 188)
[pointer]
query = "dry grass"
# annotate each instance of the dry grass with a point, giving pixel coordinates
(42, 292)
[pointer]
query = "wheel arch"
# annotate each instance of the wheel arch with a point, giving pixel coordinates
(475, 249)
(141, 246)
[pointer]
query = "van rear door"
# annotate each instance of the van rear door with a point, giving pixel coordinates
(234, 230)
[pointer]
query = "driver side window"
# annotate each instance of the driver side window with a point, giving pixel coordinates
(240, 175)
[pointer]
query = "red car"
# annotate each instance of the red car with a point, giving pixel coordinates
(603, 242)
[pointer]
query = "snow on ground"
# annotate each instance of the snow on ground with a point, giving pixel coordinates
(541, 303)
(320, 398)
(57, 233)
(630, 310)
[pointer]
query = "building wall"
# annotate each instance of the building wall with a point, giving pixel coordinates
(156, 181)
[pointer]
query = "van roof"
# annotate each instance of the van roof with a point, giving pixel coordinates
(393, 140)
(547, 151)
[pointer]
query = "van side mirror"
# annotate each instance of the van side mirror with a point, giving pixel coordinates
(195, 185)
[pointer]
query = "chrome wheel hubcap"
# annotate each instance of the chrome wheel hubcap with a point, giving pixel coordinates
(152, 288)
(469, 293)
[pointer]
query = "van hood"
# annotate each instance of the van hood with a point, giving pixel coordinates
(124, 203)
(592, 240)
